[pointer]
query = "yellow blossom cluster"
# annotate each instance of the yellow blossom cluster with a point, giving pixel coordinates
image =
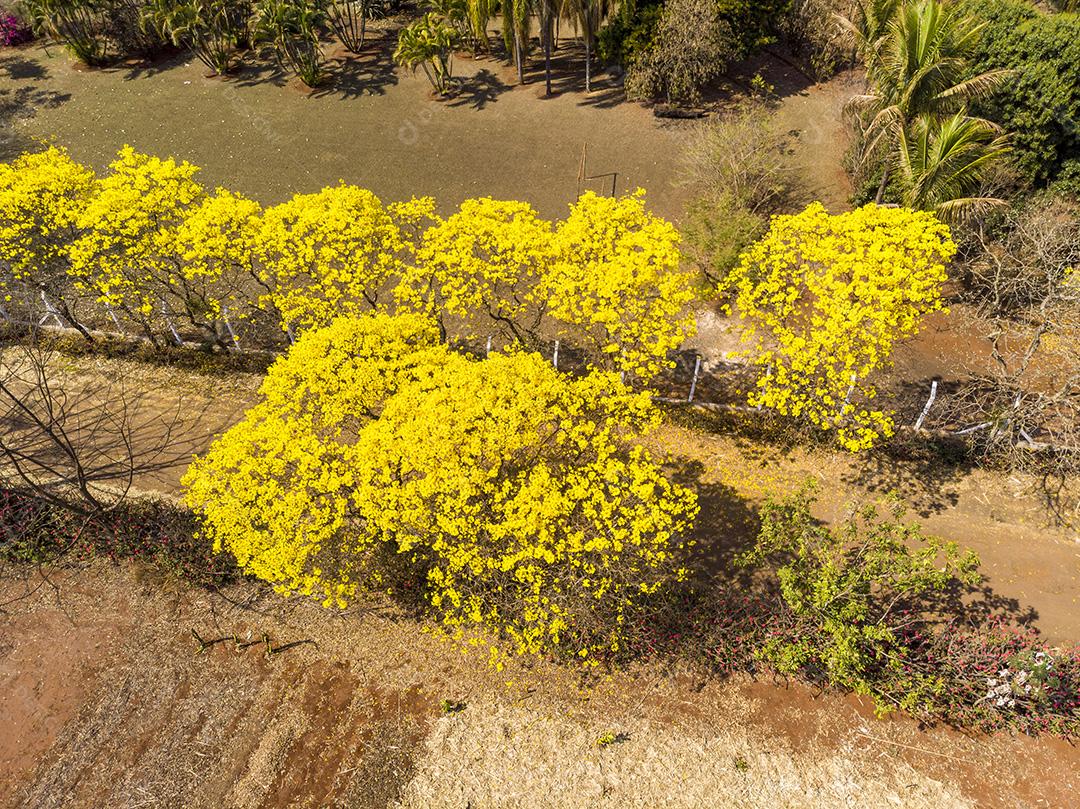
(41, 197)
(125, 251)
(825, 300)
(505, 496)
(329, 253)
(616, 283)
(150, 242)
(480, 265)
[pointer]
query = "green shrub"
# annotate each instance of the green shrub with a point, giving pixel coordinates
(717, 230)
(1067, 183)
(629, 34)
(851, 592)
(753, 22)
(130, 28)
(737, 173)
(78, 25)
(1040, 105)
(691, 47)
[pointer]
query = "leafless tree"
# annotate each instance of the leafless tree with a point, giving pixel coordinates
(1023, 288)
(78, 442)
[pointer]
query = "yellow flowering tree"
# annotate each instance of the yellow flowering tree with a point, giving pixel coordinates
(501, 495)
(276, 490)
(616, 285)
(126, 253)
(523, 496)
(41, 198)
(329, 254)
(826, 298)
(478, 269)
(216, 246)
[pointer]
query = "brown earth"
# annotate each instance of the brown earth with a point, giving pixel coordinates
(106, 700)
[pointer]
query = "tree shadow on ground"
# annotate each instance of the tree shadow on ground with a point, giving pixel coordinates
(924, 472)
(19, 68)
(780, 79)
(255, 72)
(478, 90)
(168, 58)
(568, 76)
(18, 104)
(723, 611)
(977, 605)
(353, 75)
(726, 525)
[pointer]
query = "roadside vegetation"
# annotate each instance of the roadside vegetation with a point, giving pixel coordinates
(460, 414)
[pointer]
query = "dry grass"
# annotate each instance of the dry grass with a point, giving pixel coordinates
(496, 755)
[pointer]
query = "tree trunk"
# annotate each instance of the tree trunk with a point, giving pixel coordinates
(588, 65)
(519, 57)
(69, 316)
(547, 57)
(884, 184)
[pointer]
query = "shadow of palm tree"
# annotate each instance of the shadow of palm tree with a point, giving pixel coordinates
(164, 60)
(479, 90)
(18, 104)
(356, 75)
(19, 68)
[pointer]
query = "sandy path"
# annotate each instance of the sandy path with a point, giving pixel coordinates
(377, 128)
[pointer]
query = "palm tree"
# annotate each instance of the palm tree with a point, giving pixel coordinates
(588, 15)
(479, 14)
(210, 28)
(429, 43)
(942, 164)
(919, 68)
(348, 19)
(516, 22)
(292, 28)
(867, 26)
(548, 12)
(76, 24)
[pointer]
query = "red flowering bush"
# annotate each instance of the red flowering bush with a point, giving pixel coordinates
(13, 31)
(998, 676)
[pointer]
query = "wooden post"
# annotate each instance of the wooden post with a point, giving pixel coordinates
(581, 168)
(488, 352)
(693, 382)
(555, 356)
(926, 407)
